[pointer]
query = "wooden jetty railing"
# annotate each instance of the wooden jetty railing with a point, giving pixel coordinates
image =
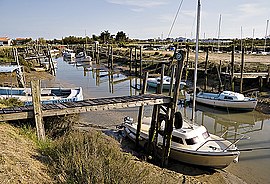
(65, 108)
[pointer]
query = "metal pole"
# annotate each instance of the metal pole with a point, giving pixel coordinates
(196, 59)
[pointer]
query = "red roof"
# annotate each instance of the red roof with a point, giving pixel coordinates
(18, 39)
(4, 39)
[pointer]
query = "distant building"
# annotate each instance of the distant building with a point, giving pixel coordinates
(5, 41)
(22, 41)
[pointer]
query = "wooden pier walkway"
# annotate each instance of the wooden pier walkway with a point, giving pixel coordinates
(251, 75)
(65, 108)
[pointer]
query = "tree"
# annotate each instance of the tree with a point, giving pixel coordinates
(121, 37)
(105, 36)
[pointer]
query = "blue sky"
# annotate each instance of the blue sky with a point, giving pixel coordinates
(137, 18)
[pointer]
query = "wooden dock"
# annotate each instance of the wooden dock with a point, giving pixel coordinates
(66, 108)
(251, 75)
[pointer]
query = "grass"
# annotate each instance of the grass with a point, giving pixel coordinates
(92, 157)
(10, 102)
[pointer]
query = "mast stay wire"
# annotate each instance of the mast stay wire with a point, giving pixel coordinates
(176, 15)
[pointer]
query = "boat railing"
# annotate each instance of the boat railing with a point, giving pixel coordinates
(223, 139)
(242, 137)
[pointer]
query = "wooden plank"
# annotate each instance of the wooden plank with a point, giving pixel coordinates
(103, 107)
(16, 116)
(88, 105)
(9, 110)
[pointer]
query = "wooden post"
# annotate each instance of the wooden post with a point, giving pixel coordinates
(260, 83)
(136, 67)
(160, 86)
(111, 67)
(219, 78)
(169, 125)
(51, 64)
(205, 70)
(242, 70)
(93, 51)
(108, 55)
(187, 65)
(19, 73)
(36, 91)
(140, 116)
(172, 81)
(152, 128)
(220, 87)
(130, 61)
(268, 76)
(141, 62)
(232, 68)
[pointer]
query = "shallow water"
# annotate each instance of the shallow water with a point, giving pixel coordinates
(253, 166)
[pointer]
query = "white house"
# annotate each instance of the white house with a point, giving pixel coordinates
(5, 41)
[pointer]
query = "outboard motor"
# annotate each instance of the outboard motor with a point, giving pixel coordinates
(128, 119)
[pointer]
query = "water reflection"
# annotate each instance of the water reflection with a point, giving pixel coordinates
(106, 80)
(219, 122)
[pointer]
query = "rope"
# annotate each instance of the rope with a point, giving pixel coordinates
(180, 5)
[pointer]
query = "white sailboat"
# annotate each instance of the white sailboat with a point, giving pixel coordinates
(82, 56)
(190, 143)
(227, 100)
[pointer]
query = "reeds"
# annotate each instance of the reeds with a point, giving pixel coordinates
(91, 157)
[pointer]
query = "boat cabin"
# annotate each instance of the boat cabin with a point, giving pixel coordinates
(192, 137)
(229, 95)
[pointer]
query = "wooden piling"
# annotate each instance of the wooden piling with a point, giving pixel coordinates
(136, 65)
(111, 65)
(130, 61)
(187, 63)
(232, 68)
(242, 70)
(141, 67)
(219, 78)
(268, 76)
(108, 55)
(260, 83)
(166, 151)
(160, 86)
(172, 80)
(205, 70)
(19, 73)
(141, 109)
(36, 91)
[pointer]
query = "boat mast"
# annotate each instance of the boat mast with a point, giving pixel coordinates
(196, 59)
(265, 35)
(219, 25)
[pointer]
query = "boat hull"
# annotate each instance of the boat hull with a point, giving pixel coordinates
(248, 105)
(207, 160)
(48, 95)
(218, 160)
